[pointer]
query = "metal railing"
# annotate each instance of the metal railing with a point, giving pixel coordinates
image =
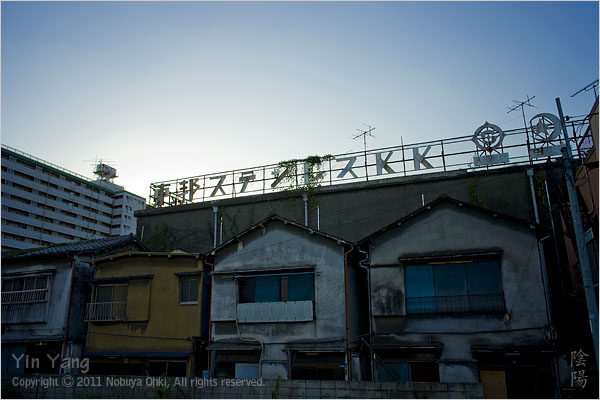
(58, 167)
(24, 296)
(458, 153)
(109, 311)
(450, 304)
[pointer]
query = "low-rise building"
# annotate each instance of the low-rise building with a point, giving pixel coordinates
(146, 315)
(286, 303)
(457, 295)
(44, 292)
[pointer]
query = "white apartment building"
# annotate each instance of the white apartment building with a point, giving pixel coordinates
(44, 204)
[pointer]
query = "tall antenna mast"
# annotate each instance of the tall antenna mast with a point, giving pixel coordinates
(364, 134)
(522, 105)
(589, 87)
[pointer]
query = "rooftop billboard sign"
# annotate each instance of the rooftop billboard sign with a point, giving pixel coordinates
(488, 147)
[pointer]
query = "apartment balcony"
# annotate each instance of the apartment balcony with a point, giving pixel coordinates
(24, 296)
(24, 306)
(284, 311)
(112, 311)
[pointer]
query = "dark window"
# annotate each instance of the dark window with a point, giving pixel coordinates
(277, 288)
(454, 287)
(319, 366)
(225, 370)
(188, 291)
(408, 371)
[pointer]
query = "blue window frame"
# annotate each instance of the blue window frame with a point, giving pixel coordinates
(467, 286)
(277, 288)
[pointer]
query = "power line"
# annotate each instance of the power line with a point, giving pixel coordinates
(587, 88)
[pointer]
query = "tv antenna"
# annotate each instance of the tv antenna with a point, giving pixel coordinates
(591, 86)
(521, 105)
(103, 169)
(364, 134)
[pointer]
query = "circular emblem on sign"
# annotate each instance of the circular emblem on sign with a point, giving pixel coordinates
(488, 137)
(540, 125)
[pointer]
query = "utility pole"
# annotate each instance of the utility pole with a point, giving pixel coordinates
(364, 134)
(584, 261)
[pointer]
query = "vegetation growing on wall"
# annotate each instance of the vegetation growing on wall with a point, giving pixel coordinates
(230, 224)
(474, 196)
(312, 174)
(162, 238)
(305, 179)
(539, 181)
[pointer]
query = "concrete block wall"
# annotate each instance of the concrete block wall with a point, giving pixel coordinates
(282, 389)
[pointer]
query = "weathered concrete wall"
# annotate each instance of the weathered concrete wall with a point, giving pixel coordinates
(51, 315)
(285, 389)
(450, 229)
(280, 247)
(80, 296)
(349, 211)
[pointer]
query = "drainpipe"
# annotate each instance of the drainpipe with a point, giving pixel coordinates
(216, 212)
(64, 345)
(544, 272)
(209, 352)
(347, 313)
(318, 218)
(305, 198)
(360, 264)
(221, 232)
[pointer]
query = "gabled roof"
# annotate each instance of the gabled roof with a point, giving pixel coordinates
(443, 198)
(84, 246)
(272, 218)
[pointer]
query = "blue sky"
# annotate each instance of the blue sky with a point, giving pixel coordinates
(168, 90)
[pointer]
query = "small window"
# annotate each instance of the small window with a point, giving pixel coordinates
(188, 291)
(110, 303)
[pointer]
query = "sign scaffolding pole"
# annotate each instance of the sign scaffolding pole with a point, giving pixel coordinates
(584, 261)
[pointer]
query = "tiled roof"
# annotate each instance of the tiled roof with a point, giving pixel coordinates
(84, 246)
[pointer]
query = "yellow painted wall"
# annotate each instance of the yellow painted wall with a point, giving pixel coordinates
(156, 321)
